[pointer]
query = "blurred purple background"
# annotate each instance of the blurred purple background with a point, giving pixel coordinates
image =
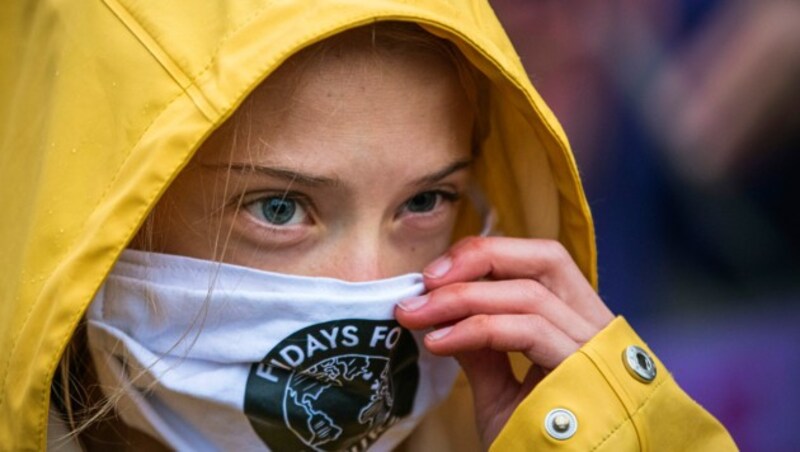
(684, 116)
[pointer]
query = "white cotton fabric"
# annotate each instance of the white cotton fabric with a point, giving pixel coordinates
(191, 330)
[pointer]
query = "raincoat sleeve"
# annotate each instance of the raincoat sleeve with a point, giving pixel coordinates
(613, 410)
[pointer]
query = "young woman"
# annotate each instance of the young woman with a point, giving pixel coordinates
(221, 217)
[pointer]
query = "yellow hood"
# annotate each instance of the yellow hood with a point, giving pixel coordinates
(105, 101)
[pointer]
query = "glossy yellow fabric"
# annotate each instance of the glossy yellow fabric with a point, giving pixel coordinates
(103, 102)
(615, 411)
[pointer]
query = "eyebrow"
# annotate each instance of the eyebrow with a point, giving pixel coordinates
(444, 172)
(321, 181)
(281, 173)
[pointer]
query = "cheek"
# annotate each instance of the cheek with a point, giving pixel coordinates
(302, 259)
(415, 251)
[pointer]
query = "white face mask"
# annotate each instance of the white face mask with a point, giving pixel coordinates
(231, 358)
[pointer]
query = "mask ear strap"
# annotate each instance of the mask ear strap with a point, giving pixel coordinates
(484, 208)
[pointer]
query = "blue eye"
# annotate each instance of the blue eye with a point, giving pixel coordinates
(423, 202)
(279, 210)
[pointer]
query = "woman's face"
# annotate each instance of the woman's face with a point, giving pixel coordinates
(350, 165)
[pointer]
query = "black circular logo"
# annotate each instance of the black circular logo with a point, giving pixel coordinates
(333, 386)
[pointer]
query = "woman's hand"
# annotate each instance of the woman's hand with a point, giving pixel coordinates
(489, 296)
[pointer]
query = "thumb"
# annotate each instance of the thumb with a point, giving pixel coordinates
(494, 389)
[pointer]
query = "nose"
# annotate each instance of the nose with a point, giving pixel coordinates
(361, 257)
(359, 263)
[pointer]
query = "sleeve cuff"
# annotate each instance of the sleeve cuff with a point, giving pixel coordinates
(598, 388)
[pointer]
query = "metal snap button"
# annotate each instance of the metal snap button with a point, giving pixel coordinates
(560, 424)
(639, 364)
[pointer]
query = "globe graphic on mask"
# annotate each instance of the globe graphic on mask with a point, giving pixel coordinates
(343, 397)
(332, 386)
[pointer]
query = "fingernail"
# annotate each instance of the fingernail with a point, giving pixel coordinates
(414, 303)
(439, 267)
(438, 334)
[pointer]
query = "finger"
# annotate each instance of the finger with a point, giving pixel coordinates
(530, 334)
(510, 258)
(522, 296)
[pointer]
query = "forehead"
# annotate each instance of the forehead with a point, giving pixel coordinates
(350, 104)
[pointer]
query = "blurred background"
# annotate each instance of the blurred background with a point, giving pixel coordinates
(684, 116)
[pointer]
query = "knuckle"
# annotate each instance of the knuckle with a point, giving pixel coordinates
(458, 291)
(482, 322)
(492, 333)
(533, 291)
(453, 297)
(537, 323)
(475, 245)
(556, 252)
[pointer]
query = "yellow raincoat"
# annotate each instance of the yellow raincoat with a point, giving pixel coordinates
(103, 103)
